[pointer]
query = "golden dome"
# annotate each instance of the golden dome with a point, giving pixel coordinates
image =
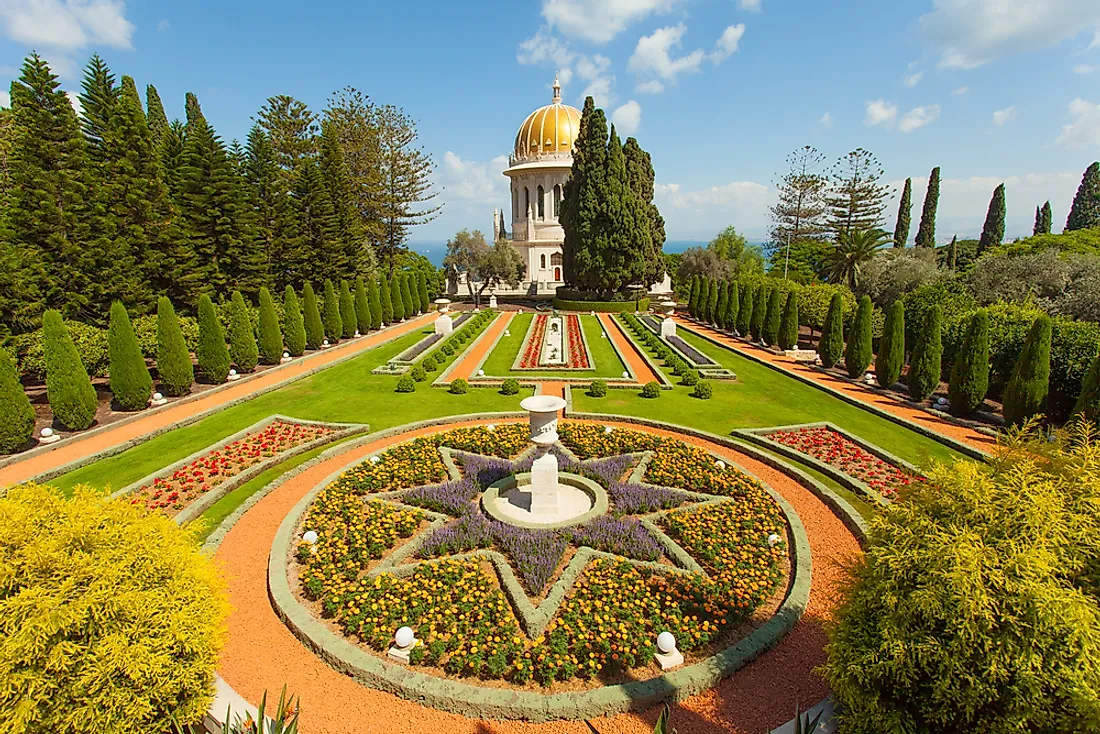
(549, 129)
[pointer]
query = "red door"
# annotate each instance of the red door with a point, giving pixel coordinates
(557, 274)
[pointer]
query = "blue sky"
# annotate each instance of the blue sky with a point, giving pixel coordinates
(719, 91)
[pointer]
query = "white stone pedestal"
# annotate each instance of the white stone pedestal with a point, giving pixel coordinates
(401, 654)
(544, 485)
(668, 328)
(444, 325)
(543, 410)
(492, 302)
(669, 660)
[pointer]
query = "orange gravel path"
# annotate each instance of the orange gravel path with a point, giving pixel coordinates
(627, 349)
(78, 447)
(263, 654)
(883, 402)
(466, 366)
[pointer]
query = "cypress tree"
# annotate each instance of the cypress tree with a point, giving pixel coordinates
(891, 349)
(348, 318)
(70, 392)
(271, 338)
(788, 331)
(212, 355)
(905, 206)
(733, 306)
(174, 368)
(744, 312)
(374, 300)
(1046, 219)
(970, 373)
(703, 300)
(723, 304)
(362, 307)
(154, 114)
(334, 325)
(242, 340)
(953, 253)
(693, 297)
(396, 299)
(422, 292)
(315, 329)
(712, 301)
(640, 177)
(830, 346)
(759, 312)
(583, 201)
(1038, 226)
(1026, 392)
(406, 296)
(1085, 211)
(192, 111)
(925, 368)
(16, 412)
(926, 232)
(1088, 401)
(295, 324)
(993, 233)
(857, 355)
(773, 316)
(625, 230)
(385, 302)
(129, 377)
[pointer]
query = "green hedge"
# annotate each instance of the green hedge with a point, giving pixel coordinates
(642, 304)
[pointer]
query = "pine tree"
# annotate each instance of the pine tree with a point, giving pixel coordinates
(856, 198)
(583, 200)
(348, 319)
(174, 369)
(759, 312)
(704, 300)
(831, 345)
(712, 301)
(242, 339)
(891, 347)
(68, 388)
(295, 324)
(905, 206)
(857, 355)
(926, 233)
(334, 325)
(744, 313)
(374, 300)
(154, 114)
(275, 213)
(1046, 219)
(993, 233)
(799, 213)
(422, 292)
(319, 248)
(1026, 392)
(773, 317)
(362, 306)
(386, 304)
(193, 112)
(16, 412)
(396, 299)
(925, 367)
(406, 296)
(970, 373)
(733, 306)
(788, 331)
(212, 355)
(292, 129)
(315, 328)
(1085, 211)
(271, 337)
(98, 97)
(1088, 401)
(356, 254)
(129, 377)
(722, 305)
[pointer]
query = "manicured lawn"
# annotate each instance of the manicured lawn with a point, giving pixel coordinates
(605, 360)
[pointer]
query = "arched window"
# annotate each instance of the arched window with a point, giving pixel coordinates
(542, 262)
(526, 202)
(557, 201)
(542, 202)
(515, 204)
(555, 259)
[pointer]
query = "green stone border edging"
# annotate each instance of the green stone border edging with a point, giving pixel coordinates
(592, 489)
(494, 703)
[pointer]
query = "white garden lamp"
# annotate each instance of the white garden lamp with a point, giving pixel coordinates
(667, 654)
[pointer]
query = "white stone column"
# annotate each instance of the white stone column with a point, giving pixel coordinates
(543, 410)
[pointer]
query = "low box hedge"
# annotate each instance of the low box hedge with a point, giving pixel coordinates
(642, 304)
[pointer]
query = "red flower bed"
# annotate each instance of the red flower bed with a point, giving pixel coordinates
(835, 450)
(175, 492)
(533, 350)
(578, 355)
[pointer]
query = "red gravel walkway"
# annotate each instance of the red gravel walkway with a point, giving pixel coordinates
(628, 350)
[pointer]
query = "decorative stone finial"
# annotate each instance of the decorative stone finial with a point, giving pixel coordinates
(557, 89)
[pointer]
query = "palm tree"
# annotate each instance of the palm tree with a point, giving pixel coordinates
(853, 249)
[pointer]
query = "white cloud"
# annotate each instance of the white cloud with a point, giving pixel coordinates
(912, 80)
(162, 25)
(542, 48)
(961, 91)
(5, 98)
(1000, 117)
(74, 100)
(727, 43)
(918, 117)
(545, 49)
(753, 6)
(1095, 41)
(652, 56)
(1084, 69)
(698, 214)
(595, 70)
(881, 112)
(599, 20)
(627, 118)
(472, 181)
(1083, 130)
(67, 25)
(653, 86)
(970, 33)
(826, 119)
(565, 75)
(599, 90)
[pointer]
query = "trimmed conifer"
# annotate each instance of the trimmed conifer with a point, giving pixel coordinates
(1088, 401)
(733, 306)
(773, 317)
(406, 295)
(926, 232)
(993, 233)
(374, 302)
(1085, 211)
(759, 311)
(294, 324)
(242, 339)
(271, 337)
(788, 330)
(129, 378)
(334, 325)
(831, 345)
(905, 206)
(1046, 219)
(422, 292)
(1026, 392)
(16, 412)
(970, 373)
(212, 355)
(925, 367)
(704, 300)
(712, 301)
(857, 355)
(693, 297)
(174, 369)
(385, 301)
(68, 388)
(315, 328)
(362, 306)
(348, 318)
(891, 347)
(744, 312)
(723, 304)
(396, 299)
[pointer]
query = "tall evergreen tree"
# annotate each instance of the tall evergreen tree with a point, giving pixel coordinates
(640, 178)
(422, 296)
(212, 355)
(374, 300)
(397, 300)
(693, 297)
(891, 347)
(362, 307)
(799, 213)
(953, 253)
(315, 327)
(830, 347)
(759, 312)
(334, 325)
(154, 114)
(16, 412)
(295, 323)
(970, 373)
(733, 305)
(712, 301)
(193, 112)
(174, 369)
(744, 313)
(905, 206)
(170, 158)
(773, 317)
(242, 339)
(1046, 219)
(274, 213)
(406, 295)
(856, 197)
(788, 330)
(857, 355)
(925, 367)
(722, 305)
(348, 320)
(356, 254)
(318, 251)
(926, 233)
(704, 300)
(68, 388)
(993, 233)
(129, 377)
(1088, 401)
(271, 336)
(1085, 211)
(624, 234)
(582, 201)
(1037, 228)
(1026, 392)
(98, 97)
(386, 301)
(128, 89)
(292, 129)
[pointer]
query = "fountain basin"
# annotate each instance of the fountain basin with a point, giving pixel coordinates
(579, 499)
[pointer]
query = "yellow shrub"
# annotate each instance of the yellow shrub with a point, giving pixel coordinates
(110, 617)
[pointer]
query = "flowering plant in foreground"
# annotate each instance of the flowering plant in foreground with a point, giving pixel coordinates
(835, 449)
(578, 355)
(175, 492)
(532, 351)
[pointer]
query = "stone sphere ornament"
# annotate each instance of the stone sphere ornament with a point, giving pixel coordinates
(324, 343)
(491, 427)
(310, 536)
(232, 373)
(47, 432)
(720, 464)
(157, 396)
(941, 401)
(404, 637)
(608, 429)
(773, 539)
(481, 373)
(507, 332)
(666, 643)
(375, 459)
(286, 355)
(626, 375)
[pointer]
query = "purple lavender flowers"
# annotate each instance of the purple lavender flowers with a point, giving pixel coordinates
(622, 536)
(451, 498)
(639, 499)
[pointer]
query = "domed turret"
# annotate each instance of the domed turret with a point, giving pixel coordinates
(548, 132)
